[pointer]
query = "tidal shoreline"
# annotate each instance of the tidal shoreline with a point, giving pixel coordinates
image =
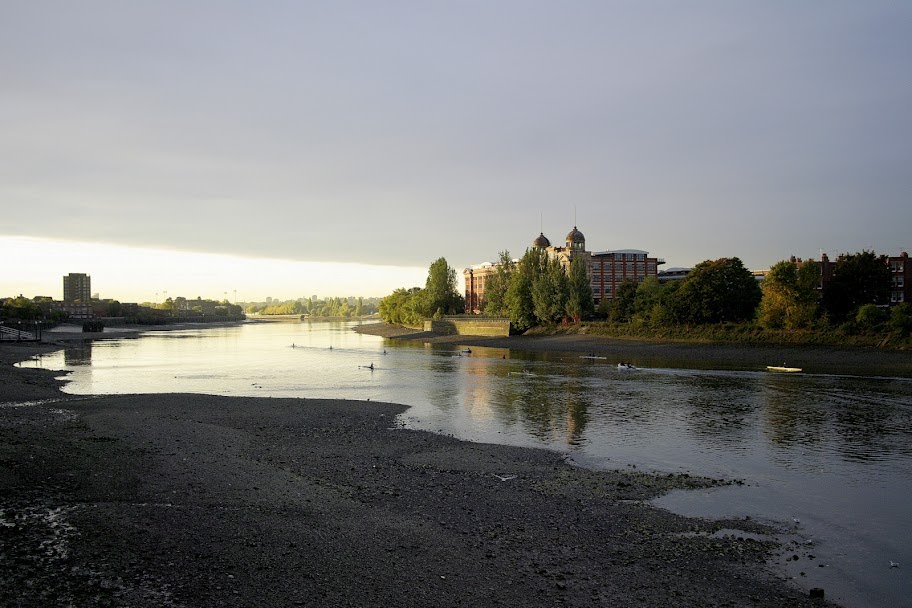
(198, 500)
(813, 359)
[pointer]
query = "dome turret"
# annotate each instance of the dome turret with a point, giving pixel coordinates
(575, 239)
(541, 241)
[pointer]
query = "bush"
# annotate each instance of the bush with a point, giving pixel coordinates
(901, 319)
(870, 318)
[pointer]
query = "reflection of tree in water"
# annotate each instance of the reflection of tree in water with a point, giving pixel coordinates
(872, 422)
(78, 353)
(720, 408)
(791, 418)
(444, 393)
(859, 419)
(545, 405)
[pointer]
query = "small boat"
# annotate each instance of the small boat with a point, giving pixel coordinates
(783, 369)
(625, 366)
(525, 372)
(592, 357)
(467, 351)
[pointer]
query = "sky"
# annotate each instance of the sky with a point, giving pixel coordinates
(344, 146)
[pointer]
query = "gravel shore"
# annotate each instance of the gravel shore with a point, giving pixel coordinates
(198, 501)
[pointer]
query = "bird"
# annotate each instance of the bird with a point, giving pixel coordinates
(508, 478)
(894, 564)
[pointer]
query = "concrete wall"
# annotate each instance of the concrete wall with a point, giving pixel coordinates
(467, 326)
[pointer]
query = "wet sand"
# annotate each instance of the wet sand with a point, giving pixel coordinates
(197, 500)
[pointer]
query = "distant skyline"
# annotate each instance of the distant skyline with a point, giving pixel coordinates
(131, 274)
(390, 134)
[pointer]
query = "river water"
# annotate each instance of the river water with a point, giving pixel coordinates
(832, 452)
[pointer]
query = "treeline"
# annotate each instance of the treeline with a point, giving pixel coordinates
(188, 308)
(179, 308)
(327, 307)
(439, 297)
(854, 300)
(538, 290)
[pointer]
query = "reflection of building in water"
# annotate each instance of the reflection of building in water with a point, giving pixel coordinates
(479, 390)
(606, 269)
(78, 353)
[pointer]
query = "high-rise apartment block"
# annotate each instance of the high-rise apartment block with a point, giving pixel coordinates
(77, 286)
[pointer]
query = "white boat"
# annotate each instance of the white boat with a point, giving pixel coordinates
(625, 366)
(591, 357)
(782, 368)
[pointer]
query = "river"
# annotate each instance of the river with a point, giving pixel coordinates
(826, 459)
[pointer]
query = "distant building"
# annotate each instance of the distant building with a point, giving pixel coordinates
(606, 269)
(77, 287)
(900, 275)
(74, 310)
(673, 274)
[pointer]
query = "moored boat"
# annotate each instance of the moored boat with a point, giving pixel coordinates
(782, 368)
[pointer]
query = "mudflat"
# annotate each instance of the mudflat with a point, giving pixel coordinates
(198, 500)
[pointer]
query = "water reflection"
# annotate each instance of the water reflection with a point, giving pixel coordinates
(78, 353)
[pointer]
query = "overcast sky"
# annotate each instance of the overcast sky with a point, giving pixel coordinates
(396, 132)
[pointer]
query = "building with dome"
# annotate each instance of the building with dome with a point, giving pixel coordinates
(606, 269)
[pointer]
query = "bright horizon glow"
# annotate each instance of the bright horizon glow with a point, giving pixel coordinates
(36, 267)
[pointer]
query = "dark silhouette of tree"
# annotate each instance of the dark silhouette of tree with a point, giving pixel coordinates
(858, 278)
(717, 291)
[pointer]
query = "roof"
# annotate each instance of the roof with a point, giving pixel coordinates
(610, 251)
(541, 241)
(575, 236)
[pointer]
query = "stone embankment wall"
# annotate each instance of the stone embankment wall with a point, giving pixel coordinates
(468, 326)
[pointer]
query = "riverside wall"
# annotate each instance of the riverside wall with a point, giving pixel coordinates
(468, 326)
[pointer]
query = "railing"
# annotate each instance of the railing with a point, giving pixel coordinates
(20, 331)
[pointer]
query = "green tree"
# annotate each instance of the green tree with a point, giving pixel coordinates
(440, 290)
(398, 308)
(114, 309)
(519, 302)
(579, 303)
(901, 319)
(858, 278)
(789, 296)
(549, 292)
(717, 291)
(621, 308)
(870, 318)
(495, 292)
(22, 308)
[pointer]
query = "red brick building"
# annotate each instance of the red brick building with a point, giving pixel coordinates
(900, 271)
(606, 269)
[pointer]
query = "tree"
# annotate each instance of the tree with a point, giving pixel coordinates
(717, 291)
(579, 292)
(901, 319)
(520, 307)
(496, 287)
(398, 308)
(440, 290)
(870, 318)
(858, 278)
(622, 305)
(789, 296)
(549, 292)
